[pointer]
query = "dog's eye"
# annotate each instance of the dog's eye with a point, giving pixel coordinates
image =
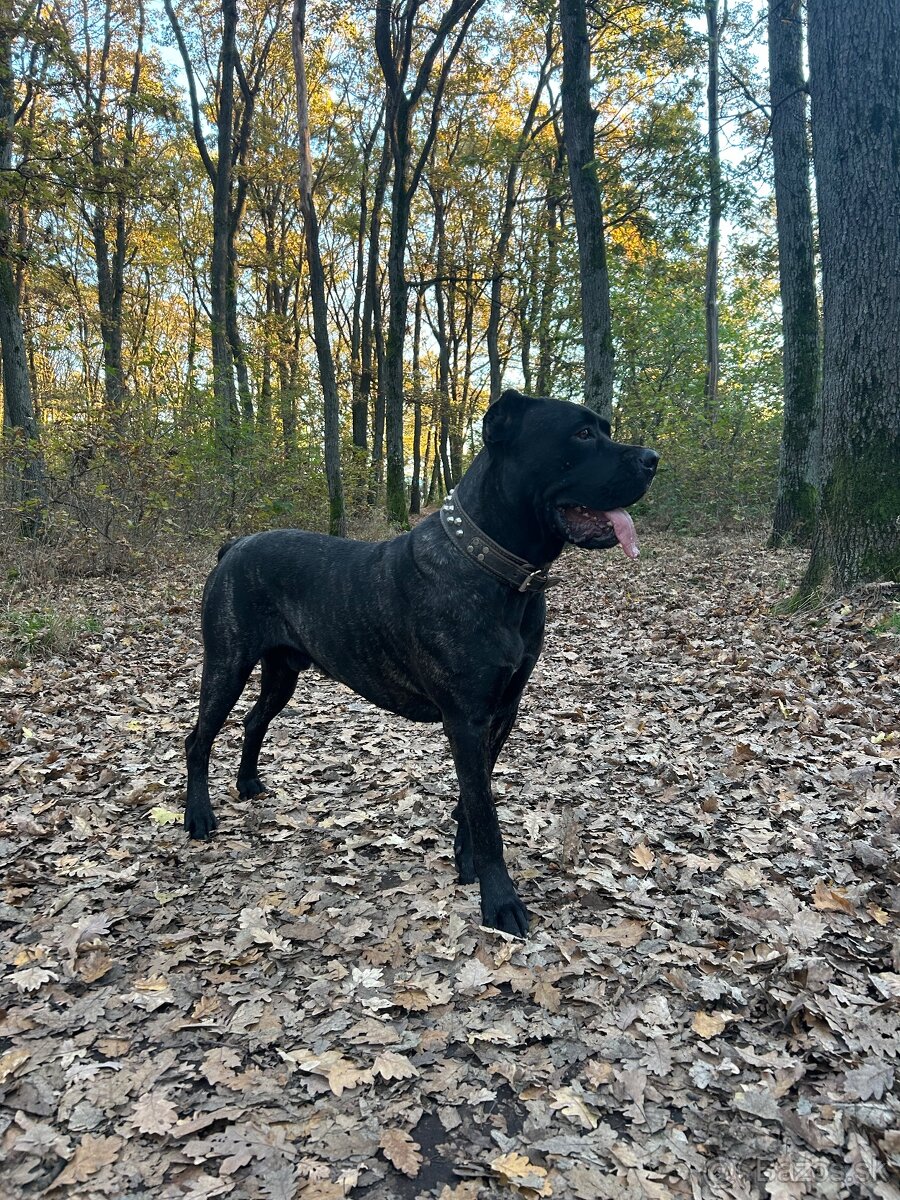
(585, 434)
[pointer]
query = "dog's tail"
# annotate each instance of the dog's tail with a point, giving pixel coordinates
(226, 546)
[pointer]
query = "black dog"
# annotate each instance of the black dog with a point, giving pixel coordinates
(441, 624)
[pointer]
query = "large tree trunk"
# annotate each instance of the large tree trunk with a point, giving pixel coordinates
(855, 91)
(337, 523)
(578, 130)
(795, 506)
(714, 171)
(18, 406)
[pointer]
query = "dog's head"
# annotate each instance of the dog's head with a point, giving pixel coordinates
(580, 478)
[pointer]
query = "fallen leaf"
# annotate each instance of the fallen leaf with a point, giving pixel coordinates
(521, 1173)
(708, 1025)
(92, 1154)
(832, 899)
(401, 1151)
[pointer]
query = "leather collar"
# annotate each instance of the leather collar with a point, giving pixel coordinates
(477, 547)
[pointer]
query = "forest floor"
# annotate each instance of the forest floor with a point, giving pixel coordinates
(700, 808)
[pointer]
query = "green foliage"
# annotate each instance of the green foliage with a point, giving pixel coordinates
(41, 633)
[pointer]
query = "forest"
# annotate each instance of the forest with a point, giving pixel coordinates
(269, 267)
(269, 264)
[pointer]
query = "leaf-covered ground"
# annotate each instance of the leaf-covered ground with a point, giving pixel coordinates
(700, 807)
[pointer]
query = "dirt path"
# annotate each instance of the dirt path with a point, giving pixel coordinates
(700, 805)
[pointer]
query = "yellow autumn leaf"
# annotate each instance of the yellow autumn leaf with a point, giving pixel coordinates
(165, 816)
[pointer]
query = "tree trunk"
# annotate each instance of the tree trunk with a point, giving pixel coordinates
(415, 491)
(371, 304)
(550, 280)
(394, 39)
(337, 523)
(855, 92)
(795, 506)
(578, 131)
(714, 169)
(18, 406)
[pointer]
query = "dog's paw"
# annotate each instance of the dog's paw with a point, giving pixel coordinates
(200, 822)
(506, 913)
(251, 787)
(465, 864)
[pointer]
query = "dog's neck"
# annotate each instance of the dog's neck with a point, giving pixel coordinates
(488, 492)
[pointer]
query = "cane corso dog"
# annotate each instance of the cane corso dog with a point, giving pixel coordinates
(443, 623)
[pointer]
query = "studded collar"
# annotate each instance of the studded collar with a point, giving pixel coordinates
(476, 546)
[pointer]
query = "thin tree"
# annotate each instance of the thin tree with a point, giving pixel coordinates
(855, 92)
(395, 37)
(714, 172)
(337, 523)
(795, 505)
(18, 405)
(579, 117)
(505, 223)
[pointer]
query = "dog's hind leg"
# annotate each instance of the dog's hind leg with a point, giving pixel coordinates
(279, 678)
(221, 686)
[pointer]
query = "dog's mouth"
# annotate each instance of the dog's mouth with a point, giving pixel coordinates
(595, 529)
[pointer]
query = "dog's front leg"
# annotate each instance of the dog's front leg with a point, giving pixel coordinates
(470, 743)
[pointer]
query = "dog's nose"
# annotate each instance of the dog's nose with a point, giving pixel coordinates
(649, 460)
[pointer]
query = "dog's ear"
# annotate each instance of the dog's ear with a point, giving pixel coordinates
(503, 416)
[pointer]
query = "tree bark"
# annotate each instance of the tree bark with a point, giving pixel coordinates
(578, 131)
(415, 491)
(368, 349)
(855, 92)
(337, 523)
(714, 172)
(18, 405)
(393, 45)
(220, 174)
(505, 225)
(795, 505)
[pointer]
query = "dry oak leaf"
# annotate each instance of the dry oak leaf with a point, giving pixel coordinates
(32, 978)
(92, 1154)
(830, 899)
(567, 1101)
(474, 976)
(93, 966)
(394, 1066)
(708, 1025)
(547, 995)
(342, 1074)
(643, 856)
(519, 1171)
(401, 1151)
(11, 1062)
(154, 1114)
(219, 1065)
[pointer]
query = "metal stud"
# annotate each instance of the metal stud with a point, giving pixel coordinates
(459, 533)
(481, 558)
(470, 548)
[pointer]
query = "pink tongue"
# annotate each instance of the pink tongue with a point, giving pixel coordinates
(624, 530)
